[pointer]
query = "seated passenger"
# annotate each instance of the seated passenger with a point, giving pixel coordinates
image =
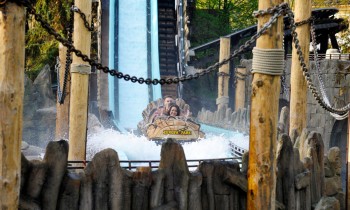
(162, 110)
(174, 110)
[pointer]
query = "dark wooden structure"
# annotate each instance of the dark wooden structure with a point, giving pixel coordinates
(326, 26)
(168, 56)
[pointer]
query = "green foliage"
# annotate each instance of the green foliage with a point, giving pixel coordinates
(41, 47)
(215, 18)
(344, 39)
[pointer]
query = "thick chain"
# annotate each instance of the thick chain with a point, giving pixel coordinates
(305, 70)
(276, 11)
(284, 89)
(61, 94)
(83, 17)
(2, 2)
(307, 21)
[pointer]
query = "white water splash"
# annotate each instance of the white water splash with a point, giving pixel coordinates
(132, 147)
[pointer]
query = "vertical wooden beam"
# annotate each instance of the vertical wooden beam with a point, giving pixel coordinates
(347, 193)
(12, 19)
(102, 78)
(62, 117)
(80, 71)
(261, 193)
(298, 95)
(240, 88)
(223, 80)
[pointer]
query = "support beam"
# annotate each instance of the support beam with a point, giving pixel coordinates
(347, 193)
(12, 20)
(298, 95)
(240, 88)
(263, 121)
(62, 116)
(103, 39)
(224, 74)
(80, 72)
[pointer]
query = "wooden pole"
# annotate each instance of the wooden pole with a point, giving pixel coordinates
(222, 100)
(348, 169)
(12, 19)
(263, 122)
(79, 85)
(240, 88)
(102, 78)
(298, 96)
(62, 117)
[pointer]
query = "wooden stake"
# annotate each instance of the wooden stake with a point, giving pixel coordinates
(298, 96)
(79, 85)
(62, 117)
(240, 88)
(222, 100)
(263, 122)
(12, 19)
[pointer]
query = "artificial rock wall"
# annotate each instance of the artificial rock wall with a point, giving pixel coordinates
(305, 179)
(336, 83)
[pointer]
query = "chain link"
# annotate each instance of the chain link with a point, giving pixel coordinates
(61, 94)
(2, 2)
(307, 21)
(276, 11)
(83, 17)
(305, 70)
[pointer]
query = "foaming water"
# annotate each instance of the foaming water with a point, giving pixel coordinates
(132, 147)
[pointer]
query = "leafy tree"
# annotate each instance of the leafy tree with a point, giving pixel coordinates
(344, 39)
(215, 18)
(41, 47)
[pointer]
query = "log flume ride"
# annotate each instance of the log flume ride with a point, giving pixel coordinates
(160, 127)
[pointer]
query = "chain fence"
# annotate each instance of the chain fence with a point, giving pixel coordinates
(275, 12)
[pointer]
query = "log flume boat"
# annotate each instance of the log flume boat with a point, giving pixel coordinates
(158, 128)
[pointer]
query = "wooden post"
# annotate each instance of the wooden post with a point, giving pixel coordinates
(263, 122)
(224, 77)
(102, 78)
(347, 193)
(12, 19)
(79, 85)
(62, 117)
(298, 95)
(240, 88)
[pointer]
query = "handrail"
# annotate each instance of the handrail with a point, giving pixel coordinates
(153, 164)
(335, 56)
